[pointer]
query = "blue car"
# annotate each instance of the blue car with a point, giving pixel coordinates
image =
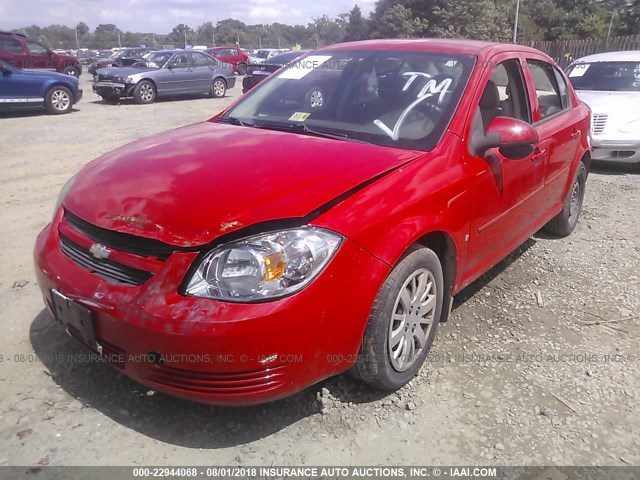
(22, 89)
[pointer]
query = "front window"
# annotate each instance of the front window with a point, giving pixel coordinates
(36, 49)
(263, 54)
(606, 76)
(158, 59)
(400, 99)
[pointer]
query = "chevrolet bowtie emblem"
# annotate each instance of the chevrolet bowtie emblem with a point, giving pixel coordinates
(99, 251)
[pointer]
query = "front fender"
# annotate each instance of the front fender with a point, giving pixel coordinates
(430, 194)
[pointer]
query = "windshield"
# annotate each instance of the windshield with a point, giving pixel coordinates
(263, 54)
(402, 99)
(607, 76)
(157, 59)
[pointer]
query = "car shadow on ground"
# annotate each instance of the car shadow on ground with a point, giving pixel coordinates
(35, 112)
(608, 168)
(180, 98)
(185, 423)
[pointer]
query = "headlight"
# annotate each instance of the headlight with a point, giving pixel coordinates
(630, 127)
(265, 266)
(63, 193)
(127, 80)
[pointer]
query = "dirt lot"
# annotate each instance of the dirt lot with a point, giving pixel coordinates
(539, 364)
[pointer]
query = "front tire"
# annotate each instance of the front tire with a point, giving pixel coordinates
(58, 100)
(242, 69)
(145, 92)
(403, 321)
(565, 222)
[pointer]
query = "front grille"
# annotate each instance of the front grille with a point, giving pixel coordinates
(598, 123)
(144, 247)
(228, 383)
(109, 270)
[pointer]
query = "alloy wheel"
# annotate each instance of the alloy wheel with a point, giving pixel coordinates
(218, 88)
(412, 319)
(60, 100)
(316, 99)
(146, 92)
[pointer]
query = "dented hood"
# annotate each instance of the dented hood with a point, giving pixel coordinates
(188, 186)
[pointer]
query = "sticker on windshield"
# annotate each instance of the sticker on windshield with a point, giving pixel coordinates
(303, 67)
(299, 117)
(579, 70)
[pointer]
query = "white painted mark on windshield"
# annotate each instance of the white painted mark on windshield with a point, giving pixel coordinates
(430, 89)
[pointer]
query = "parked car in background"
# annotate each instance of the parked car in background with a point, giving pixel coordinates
(244, 258)
(165, 73)
(232, 55)
(610, 84)
(20, 51)
(258, 72)
(264, 54)
(120, 58)
(28, 89)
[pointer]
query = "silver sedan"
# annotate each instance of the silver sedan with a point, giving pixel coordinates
(165, 73)
(610, 84)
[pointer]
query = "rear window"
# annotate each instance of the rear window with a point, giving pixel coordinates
(606, 76)
(10, 45)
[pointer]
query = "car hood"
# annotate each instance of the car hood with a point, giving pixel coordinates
(622, 104)
(189, 186)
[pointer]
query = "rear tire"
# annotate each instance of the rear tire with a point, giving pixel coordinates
(71, 71)
(565, 222)
(145, 92)
(58, 100)
(403, 322)
(218, 88)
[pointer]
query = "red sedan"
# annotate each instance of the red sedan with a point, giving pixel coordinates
(287, 239)
(232, 55)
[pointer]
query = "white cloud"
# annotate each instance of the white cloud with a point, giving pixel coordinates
(162, 15)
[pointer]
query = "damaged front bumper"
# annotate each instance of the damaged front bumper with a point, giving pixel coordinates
(113, 89)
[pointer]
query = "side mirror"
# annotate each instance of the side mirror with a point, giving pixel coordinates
(514, 138)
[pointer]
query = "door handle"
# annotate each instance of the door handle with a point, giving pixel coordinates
(538, 156)
(576, 135)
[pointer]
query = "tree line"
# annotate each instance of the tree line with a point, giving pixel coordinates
(480, 19)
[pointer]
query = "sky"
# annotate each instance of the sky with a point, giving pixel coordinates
(160, 16)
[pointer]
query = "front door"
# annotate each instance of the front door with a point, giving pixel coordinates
(506, 193)
(176, 75)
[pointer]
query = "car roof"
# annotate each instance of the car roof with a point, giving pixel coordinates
(450, 45)
(625, 56)
(14, 33)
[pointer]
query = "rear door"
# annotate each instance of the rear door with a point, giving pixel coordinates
(13, 52)
(557, 123)
(203, 70)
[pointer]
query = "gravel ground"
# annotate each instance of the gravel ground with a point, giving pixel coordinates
(538, 365)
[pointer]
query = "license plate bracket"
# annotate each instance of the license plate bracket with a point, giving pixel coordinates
(77, 319)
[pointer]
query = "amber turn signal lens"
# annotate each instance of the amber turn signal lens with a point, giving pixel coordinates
(274, 266)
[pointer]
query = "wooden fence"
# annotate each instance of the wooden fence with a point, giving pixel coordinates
(565, 51)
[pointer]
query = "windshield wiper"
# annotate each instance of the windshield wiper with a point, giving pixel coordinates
(237, 121)
(304, 129)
